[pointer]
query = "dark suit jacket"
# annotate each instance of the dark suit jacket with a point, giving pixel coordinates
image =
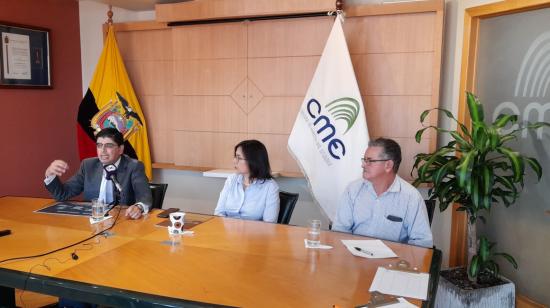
(130, 175)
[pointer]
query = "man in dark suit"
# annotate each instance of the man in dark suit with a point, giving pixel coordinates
(92, 180)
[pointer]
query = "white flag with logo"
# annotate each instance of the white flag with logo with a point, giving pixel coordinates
(330, 134)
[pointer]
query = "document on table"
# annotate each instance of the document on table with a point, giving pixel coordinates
(71, 208)
(372, 249)
(403, 303)
(401, 283)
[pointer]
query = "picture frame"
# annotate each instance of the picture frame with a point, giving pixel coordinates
(24, 56)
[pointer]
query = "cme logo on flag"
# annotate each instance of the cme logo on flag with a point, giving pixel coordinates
(117, 114)
(345, 109)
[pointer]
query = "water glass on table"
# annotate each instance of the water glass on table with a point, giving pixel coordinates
(314, 233)
(98, 209)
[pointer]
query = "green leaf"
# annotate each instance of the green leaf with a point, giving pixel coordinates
(505, 181)
(509, 258)
(486, 201)
(536, 125)
(507, 138)
(475, 108)
(503, 119)
(460, 140)
(480, 137)
(492, 267)
(464, 130)
(534, 164)
(464, 169)
(424, 114)
(474, 190)
(429, 164)
(487, 179)
(484, 251)
(494, 138)
(418, 135)
(516, 162)
(446, 170)
(473, 270)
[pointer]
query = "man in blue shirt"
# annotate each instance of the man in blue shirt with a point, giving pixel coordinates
(382, 204)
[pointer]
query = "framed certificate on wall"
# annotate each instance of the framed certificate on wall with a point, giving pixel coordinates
(24, 56)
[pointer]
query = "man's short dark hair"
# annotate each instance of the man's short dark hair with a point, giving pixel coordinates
(391, 150)
(256, 156)
(113, 133)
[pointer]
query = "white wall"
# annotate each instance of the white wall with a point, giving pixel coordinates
(92, 17)
(191, 191)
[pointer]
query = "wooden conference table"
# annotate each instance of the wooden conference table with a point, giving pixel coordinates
(227, 262)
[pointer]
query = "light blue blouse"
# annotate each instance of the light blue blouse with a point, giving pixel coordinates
(260, 201)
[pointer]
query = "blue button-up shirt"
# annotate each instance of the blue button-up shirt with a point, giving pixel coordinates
(399, 214)
(260, 201)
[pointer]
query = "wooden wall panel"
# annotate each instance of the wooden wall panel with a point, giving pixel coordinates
(279, 157)
(390, 33)
(153, 77)
(145, 45)
(290, 37)
(208, 113)
(209, 76)
(284, 76)
(394, 73)
(274, 115)
(150, 77)
(158, 112)
(205, 148)
(222, 83)
(213, 41)
(396, 116)
(134, 73)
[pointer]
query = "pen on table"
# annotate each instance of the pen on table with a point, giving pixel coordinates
(364, 251)
(5, 232)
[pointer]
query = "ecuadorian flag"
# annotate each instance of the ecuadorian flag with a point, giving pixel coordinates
(111, 102)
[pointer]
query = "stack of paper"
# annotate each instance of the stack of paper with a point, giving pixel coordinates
(372, 249)
(401, 283)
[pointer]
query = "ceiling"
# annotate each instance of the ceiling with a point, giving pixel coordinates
(137, 5)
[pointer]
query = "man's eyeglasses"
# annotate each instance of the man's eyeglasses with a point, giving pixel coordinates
(368, 161)
(108, 146)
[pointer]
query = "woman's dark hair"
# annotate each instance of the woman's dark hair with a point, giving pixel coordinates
(257, 159)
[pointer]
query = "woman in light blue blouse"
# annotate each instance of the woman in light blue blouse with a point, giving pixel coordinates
(251, 193)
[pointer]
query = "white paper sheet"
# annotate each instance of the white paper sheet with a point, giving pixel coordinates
(372, 249)
(400, 283)
(403, 303)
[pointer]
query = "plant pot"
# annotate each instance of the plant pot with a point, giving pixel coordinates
(451, 295)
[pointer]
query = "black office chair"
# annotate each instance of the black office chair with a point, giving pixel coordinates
(158, 191)
(430, 206)
(287, 202)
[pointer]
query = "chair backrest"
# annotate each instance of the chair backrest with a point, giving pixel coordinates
(158, 190)
(430, 206)
(287, 202)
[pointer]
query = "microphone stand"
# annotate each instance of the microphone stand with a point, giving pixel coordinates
(117, 196)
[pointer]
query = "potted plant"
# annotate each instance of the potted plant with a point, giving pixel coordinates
(476, 170)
